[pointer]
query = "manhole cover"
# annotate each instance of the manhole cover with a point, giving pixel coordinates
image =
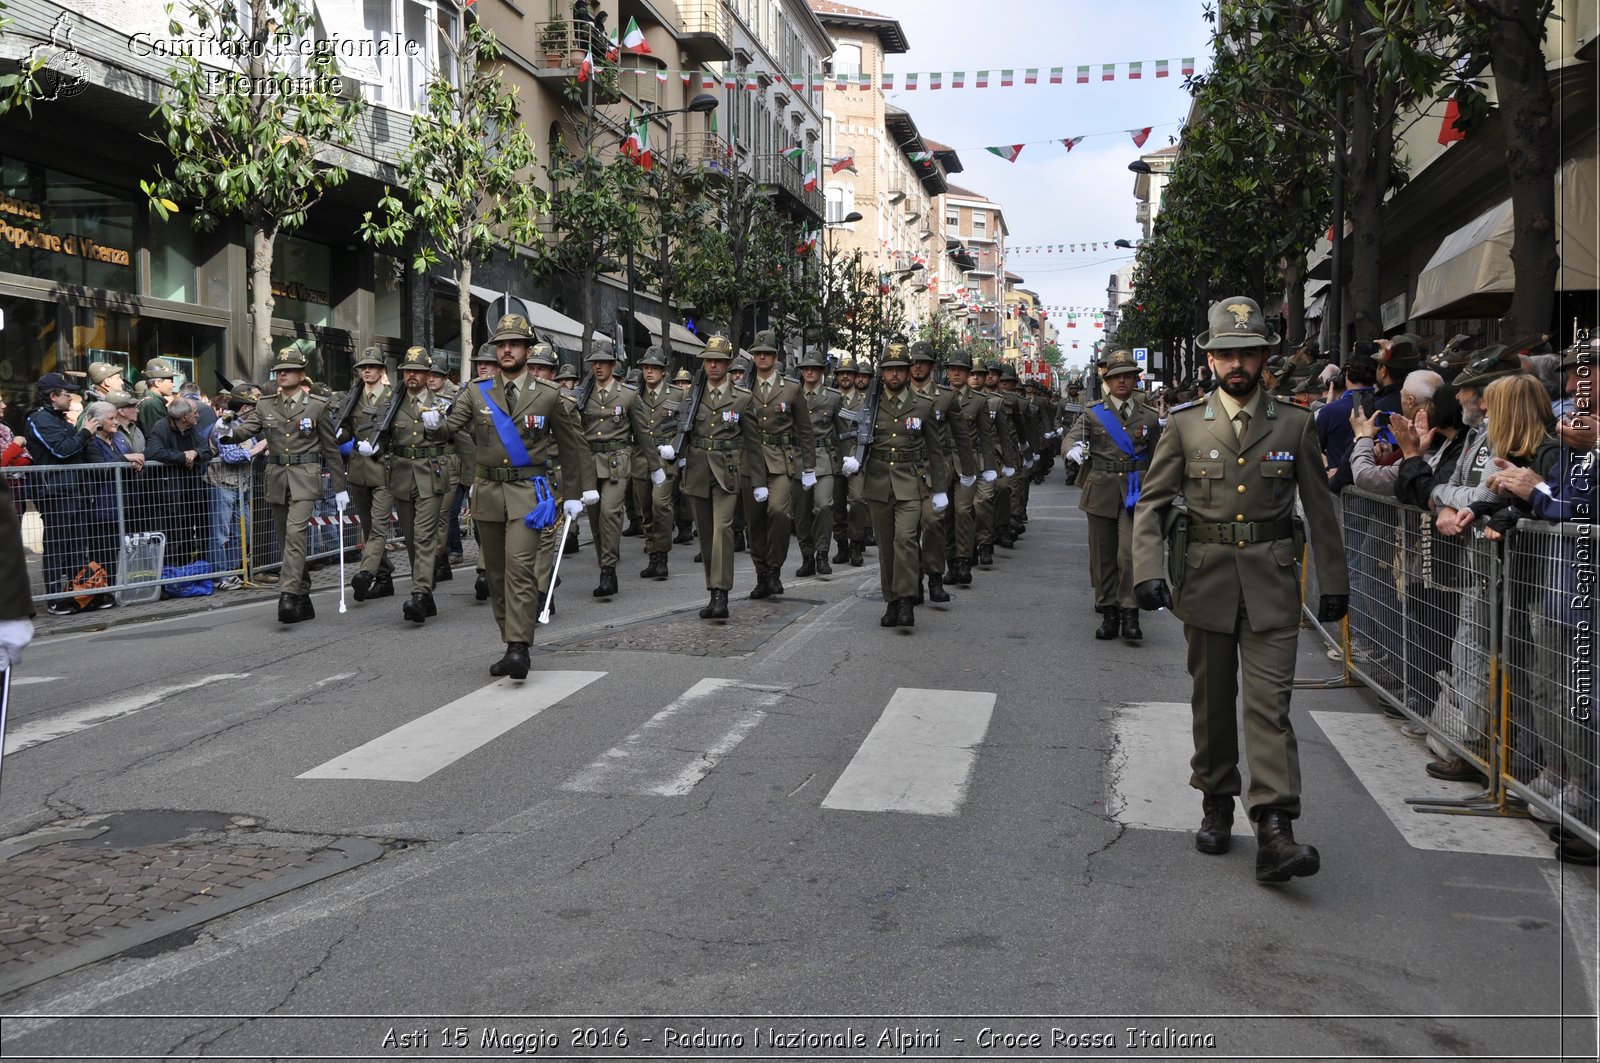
(749, 625)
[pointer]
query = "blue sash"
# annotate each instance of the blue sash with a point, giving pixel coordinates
(505, 428)
(1119, 435)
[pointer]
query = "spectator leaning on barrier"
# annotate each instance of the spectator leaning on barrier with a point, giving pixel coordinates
(104, 495)
(53, 441)
(177, 443)
(228, 476)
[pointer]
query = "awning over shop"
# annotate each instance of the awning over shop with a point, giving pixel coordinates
(680, 339)
(561, 330)
(1471, 274)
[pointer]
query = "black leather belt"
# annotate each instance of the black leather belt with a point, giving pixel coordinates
(1255, 531)
(616, 446)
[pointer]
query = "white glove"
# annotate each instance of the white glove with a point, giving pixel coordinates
(683, 463)
(1008, 470)
(1075, 455)
(431, 419)
(658, 477)
(808, 479)
(850, 465)
(14, 636)
(589, 498)
(666, 452)
(968, 481)
(572, 507)
(990, 476)
(341, 500)
(941, 502)
(366, 449)
(1027, 463)
(761, 494)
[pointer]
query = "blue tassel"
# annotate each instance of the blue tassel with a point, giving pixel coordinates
(347, 448)
(543, 514)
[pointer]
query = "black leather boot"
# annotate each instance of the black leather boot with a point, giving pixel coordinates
(739, 544)
(775, 581)
(1130, 625)
(570, 547)
(721, 598)
(1278, 856)
(288, 608)
(808, 566)
(710, 609)
(499, 667)
(936, 591)
(842, 554)
(608, 582)
(1216, 825)
(906, 615)
(415, 609)
(763, 588)
(480, 589)
(986, 555)
(858, 553)
(516, 660)
(823, 568)
(685, 535)
(361, 586)
(1110, 622)
(305, 609)
(891, 614)
(442, 572)
(966, 571)
(657, 569)
(382, 586)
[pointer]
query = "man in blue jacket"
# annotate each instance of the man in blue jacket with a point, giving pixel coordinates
(52, 440)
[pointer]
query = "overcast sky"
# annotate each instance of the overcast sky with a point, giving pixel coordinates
(1051, 196)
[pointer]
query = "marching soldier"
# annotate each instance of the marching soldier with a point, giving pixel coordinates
(300, 442)
(1112, 445)
(904, 459)
(991, 504)
(459, 462)
(1029, 442)
(542, 364)
(722, 439)
(814, 509)
(1240, 458)
(519, 431)
(419, 480)
(844, 379)
(972, 409)
(661, 405)
(683, 515)
(367, 480)
(859, 518)
(955, 442)
(615, 426)
(783, 428)
(462, 462)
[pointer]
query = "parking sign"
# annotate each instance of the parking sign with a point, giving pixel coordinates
(1141, 354)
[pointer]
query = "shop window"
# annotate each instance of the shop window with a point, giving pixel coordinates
(70, 230)
(172, 259)
(302, 274)
(388, 296)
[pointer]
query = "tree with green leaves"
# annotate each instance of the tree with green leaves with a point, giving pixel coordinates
(742, 260)
(464, 173)
(25, 84)
(256, 139)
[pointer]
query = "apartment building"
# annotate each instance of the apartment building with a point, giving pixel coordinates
(978, 225)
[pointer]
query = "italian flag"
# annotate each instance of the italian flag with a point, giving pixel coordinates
(1083, 75)
(935, 81)
(958, 80)
(630, 143)
(1006, 79)
(1056, 74)
(633, 38)
(1030, 76)
(1140, 136)
(1108, 72)
(1161, 68)
(793, 154)
(1135, 71)
(843, 162)
(646, 158)
(887, 83)
(585, 68)
(1007, 153)
(613, 49)
(1070, 142)
(1186, 66)
(920, 156)
(911, 82)
(811, 180)
(983, 79)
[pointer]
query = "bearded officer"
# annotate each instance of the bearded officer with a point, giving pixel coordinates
(1112, 443)
(904, 459)
(419, 479)
(1240, 458)
(788, 447)
(813, 509)
(367, 479)
(971, 409)
(721, 440)
(615, 426)
(961, 464)
(300, 443)
(519, 431)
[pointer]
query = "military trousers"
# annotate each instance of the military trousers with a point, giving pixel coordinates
(813, 514)
(713, 516)
(856, 522)
(292, 523)
(657, 508)
(1004, 488)
(964, 515)
(1019, 495)
(983, 506)
(1111, 559)
(422, 523)
(1267, 660)
(935, 533)
(510, 550)
(372, 506)
(772, 521)
(895, 526)
(605, 521)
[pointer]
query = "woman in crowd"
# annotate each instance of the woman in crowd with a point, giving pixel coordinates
(102, 498)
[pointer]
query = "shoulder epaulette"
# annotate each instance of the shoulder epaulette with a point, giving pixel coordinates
(1186, 406)
(831, 390)
(739, 387)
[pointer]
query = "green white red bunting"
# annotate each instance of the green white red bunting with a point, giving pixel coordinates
(924, 81)
(1008, 152)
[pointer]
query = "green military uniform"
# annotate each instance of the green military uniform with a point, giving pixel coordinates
(850, 398)
(1240, 463)
(859, 517)
(503, 492)
(461, 460)
(682, 513)
(972, 410)
(660, 405)
(158, 381)
(814, 508)
(1107, 476)
(368, 482)
(961, 464)
(782, 426)
(905, 458)
(992, 498)
(542, 363)
(1011, 498)
(458, 463)
(615, 427)
(417, 460)
(721, 440)
(300, 442)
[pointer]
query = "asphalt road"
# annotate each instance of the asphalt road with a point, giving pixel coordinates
(803, 823)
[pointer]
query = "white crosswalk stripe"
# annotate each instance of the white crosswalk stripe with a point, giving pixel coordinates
(37, 732)
(1149, 770)
(681, 744)
(918, 757)
(428, 744)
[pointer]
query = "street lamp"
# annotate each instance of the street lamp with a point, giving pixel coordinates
(1129, 244)
(1140, 166)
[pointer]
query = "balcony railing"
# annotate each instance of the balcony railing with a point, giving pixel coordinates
(705, 151)
(707, 30)
(783, 174)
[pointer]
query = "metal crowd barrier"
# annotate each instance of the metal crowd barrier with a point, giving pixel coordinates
(1484, 644)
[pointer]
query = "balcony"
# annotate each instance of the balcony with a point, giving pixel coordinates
(562, 46)
(705, 151)
(785, 178)
(706, 31)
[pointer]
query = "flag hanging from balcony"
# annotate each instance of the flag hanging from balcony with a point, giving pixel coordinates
(647, 158)
(613, 49)
(794, 154)
(920, 156)
(1140, 136)
(1449, 132)
(585, 68)
(1008, 153)
(633, 38)
(811, 180)
(843, 162)
(630, 143)
(808, 242)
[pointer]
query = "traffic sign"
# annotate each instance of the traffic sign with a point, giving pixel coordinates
(1141, 354)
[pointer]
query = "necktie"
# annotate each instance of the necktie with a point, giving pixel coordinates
(511, 395)
(1241, 421)
(766, 390)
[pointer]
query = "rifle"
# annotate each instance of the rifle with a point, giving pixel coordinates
(381, 426)
(348, 406)
(690, 411)
(584, 390)
(866, 418)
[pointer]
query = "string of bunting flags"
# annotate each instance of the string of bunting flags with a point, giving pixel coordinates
(754, 80)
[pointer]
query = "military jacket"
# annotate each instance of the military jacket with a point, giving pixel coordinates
(364, 471)
(855, 399)
(502, 491)
(905, 458)
(616, 427)
(954, 432)
(300, 443)
(418, 459)
(1005, 430)
(723, 438)
(783, 429)
(823, 405)
(1103, 476)
(662, 407)
(1235, 480)
(972, 407)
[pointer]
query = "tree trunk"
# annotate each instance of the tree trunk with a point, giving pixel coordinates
(1532, 154)
(262, 240)
(1367, 181)
(586, 295)
(1294, 301)
(464, 314)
